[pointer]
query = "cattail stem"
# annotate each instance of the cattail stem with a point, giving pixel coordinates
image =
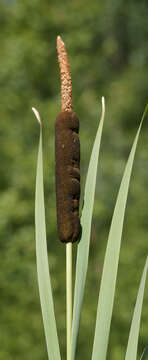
(68, 296)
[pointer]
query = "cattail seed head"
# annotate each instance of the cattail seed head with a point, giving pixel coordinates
(67, 156)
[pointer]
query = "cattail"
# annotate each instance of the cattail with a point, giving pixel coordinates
(67, 156)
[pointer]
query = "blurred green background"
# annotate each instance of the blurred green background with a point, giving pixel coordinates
(108, 53)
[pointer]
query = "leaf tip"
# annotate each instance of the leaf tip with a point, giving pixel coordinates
(103, 105)
(103, 100)
(37, 115)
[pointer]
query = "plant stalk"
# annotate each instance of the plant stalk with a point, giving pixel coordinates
(68, 297)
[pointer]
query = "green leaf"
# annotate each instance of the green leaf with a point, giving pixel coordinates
(145, 352)
(83, 247)
(108, 281)
(131, 352)
(45, 290)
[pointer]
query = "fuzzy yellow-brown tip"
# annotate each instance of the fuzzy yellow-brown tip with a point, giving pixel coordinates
(66, 83)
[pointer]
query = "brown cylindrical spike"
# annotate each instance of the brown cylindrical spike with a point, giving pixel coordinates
(67, 156)
(67, 153)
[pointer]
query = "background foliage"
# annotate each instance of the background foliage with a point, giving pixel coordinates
(107, 46)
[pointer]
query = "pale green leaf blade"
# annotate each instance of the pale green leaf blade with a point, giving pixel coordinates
(108, 281)
(44, 283)
(145, 353)
(131, 352)
(83, 247)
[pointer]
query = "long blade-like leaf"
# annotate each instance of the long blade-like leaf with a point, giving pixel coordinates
(45, 290)
(144, 354)
(83, 247)
(131, 352)
(108, 281)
